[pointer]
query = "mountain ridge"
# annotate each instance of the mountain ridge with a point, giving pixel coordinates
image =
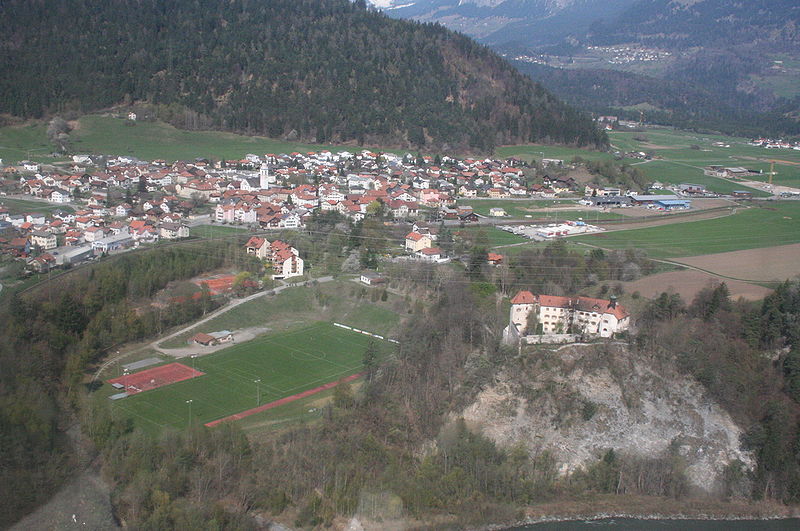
(322, 71)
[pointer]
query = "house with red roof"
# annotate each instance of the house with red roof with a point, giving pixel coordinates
(416, 241)
(286, 261)
(259, 247)
(549, 314)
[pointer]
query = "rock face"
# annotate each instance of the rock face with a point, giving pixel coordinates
(580, 401)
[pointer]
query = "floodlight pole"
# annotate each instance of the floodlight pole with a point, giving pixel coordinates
(258, 392)
(190, 411)
(194, 372)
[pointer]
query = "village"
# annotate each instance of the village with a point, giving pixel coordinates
(113, 204)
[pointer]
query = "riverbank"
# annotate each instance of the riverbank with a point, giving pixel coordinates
(649, 508)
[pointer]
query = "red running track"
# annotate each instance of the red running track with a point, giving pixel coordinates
(283, 401)
(156, 377)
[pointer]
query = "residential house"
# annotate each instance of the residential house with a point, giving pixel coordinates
(43, 240)
(416, 241)
(173, 231)
(259, 247)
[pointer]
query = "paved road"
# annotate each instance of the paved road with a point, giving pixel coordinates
(155, 345)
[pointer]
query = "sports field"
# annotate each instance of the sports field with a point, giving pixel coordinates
(286, 363)
(766, 224)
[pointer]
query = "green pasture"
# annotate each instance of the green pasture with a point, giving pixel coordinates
(286, 363)
(154, 140)
(21, 206)
(25, 142)
(766, 224)
(530, 152)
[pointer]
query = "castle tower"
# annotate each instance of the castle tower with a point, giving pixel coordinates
(265, 179)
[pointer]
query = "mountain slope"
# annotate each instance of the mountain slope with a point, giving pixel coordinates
(722, 64)
(324, 71)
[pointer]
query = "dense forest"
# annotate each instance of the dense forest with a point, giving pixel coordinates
(52, 335)
(323, 71)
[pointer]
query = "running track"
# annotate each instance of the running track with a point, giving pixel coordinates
(283, 401)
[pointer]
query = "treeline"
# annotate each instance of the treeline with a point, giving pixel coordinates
(51, 337)
(323, 71)
(745, 355)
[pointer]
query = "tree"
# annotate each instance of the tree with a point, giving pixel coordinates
(370, 359)
(375, 209)
(343, 395)
(240, 280)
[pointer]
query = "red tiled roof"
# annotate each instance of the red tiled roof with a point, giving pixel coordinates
(431, 250)
(524, 297)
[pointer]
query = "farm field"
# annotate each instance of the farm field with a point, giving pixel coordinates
(767, 225)
(759, 265)
(536, 151)
(286, 363)
(677, 161)
(687, 283)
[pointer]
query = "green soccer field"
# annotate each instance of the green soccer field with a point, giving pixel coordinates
(766, 224)
(287, 363)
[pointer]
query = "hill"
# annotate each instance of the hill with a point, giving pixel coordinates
(715, 64)
(321, 71)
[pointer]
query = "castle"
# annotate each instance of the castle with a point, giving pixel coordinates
(548, 314)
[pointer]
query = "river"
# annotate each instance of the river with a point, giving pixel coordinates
(632, 524)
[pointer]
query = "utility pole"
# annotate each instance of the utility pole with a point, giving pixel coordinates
(190, 411)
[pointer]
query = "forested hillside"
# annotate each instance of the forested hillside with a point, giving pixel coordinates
(323, 71)
(49, 338)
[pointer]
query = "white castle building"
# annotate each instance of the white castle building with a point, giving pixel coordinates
(534, 315)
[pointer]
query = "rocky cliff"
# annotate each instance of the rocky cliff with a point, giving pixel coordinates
(579, 401)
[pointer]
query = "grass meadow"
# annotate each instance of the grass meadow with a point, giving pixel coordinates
(765, 224)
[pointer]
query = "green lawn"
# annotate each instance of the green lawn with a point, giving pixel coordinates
(494, 236)
(21, 206)
(765, 225)
(286, 363)
(215, 231)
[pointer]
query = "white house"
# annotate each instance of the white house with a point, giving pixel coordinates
(548, 314)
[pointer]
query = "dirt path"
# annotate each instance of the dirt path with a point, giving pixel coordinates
(240, 336)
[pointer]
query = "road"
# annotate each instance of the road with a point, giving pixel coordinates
(155, 345)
